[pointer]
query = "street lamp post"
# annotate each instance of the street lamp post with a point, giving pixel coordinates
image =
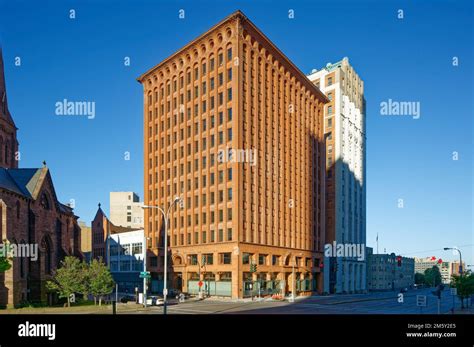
(144, 269)
(460, 257)
(460, 269)
(165, 270)
(200, 266)
(293, 289)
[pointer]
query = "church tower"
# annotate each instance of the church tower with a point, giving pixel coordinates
(8, 141)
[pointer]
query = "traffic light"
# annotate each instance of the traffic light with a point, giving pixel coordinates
(253, 267)
(399, 261)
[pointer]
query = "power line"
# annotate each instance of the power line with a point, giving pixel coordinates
(438, 249)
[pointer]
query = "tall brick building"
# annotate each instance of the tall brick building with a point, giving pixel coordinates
(30, 215)
(236, 129)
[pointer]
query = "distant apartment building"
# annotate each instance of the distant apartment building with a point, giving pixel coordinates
(344, 129)
(126, 209)
(86, 240)
(236, 129)
(446, 268)
(127, 252)
(385, 272)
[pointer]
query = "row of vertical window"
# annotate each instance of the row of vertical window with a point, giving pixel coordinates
(209, 103)
(202, 238)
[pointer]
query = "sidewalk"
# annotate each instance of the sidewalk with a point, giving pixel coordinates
(467, 310)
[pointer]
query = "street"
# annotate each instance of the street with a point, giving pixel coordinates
(373, 303)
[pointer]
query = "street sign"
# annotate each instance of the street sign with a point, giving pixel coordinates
(145, 274)
(454, 291)
(200, 283)
(421, 300)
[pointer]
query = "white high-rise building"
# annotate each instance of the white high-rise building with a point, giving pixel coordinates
(345, 135)
(126, 209)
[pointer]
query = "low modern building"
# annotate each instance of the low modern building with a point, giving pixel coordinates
(127, 252)
(126, 209)
(385, 272)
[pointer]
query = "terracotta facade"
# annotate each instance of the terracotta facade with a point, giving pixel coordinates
(232, 91)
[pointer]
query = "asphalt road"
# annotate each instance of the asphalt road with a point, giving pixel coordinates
(373, 303)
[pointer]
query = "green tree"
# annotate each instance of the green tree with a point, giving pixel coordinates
(4, 264)
(464, 285)
(100, 280)
(85, 289)
(433, 276)
(67, 279)
(419, 278)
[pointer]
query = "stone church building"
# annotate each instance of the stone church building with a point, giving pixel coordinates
(31, 217)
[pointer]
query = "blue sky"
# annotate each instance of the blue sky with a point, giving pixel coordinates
(403, 60)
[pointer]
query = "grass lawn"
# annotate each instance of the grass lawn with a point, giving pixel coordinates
(78, 309)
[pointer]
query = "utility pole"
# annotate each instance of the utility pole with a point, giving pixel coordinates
(165, 270)
(293, 289)
(460, 268)
(144, 269)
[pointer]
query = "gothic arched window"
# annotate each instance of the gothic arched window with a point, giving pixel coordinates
(22, 261)
(48, 256)
(44, 202)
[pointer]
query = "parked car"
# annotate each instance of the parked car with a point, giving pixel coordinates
(127, 298)
(155, 300)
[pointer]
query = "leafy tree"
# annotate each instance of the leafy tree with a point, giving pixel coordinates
(100, 280)
(464, 285)
(4, 264)
(84, 277)
(433, 276)
(419, 278)
(67, 279)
